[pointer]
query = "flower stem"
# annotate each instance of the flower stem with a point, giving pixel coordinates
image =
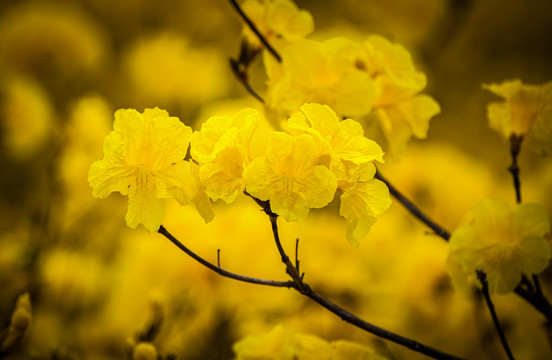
(482, 277)
(307, 291)
(256, 31)
(515, 147)
(413, 209)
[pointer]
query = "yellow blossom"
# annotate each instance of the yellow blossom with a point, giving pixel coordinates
(283, 344)
(222, 148)
(401, 111)
(27, 116)
(406, 119)
(351, 159)
(143, 158)
(168, 69)
(394, 73)
(343, 141)
(362, 200)
(277, 19)
(145, 351)
(504, 244)
(289, 177)
(20, 323)
(323, 73)
(526, 111)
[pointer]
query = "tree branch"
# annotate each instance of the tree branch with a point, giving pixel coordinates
(220, 271)
(413, 209)
(482, 277)
(256, 31)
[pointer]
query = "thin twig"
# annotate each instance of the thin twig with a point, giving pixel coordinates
(218, 258)
(515, 147)
(256, 31)
(220, 271)
(482, 277)
(413, 209)
(239, 68)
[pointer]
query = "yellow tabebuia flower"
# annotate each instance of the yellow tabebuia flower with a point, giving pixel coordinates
(144, 159)
(363, 198)
(277, 19)
(401, 111)
(351, 159)
(504, 244)
(222, 149)
(289, 177)
(526, 111)
(323, 73)
(283, 344)
(340, 140)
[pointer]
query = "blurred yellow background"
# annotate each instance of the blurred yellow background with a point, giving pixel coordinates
(66, 66)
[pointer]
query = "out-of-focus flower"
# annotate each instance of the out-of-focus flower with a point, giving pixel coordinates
(167, 69)
(401, 111)
(144, 159)
(283, 344)
(56, 36)
(277, 19)
(72, 279)
(221, 148)
(525, 112)
(290, 178)
(89, 123)
(28, 118)
(504, 244)
(20, 323)
(351, 159)
(145, 351)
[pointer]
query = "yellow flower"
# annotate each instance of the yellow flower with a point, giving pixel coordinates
(20, 323)
(277, 19)
(526, 111)
(283, 344)
(401, 111)
(143, 158)
(222, 148)
(394, 73)
(27, 116)
(289, 177)
(362, 200)
(406, 119)
(343, 141)
(351, 159)
(166, 68)
(323, 73)
(504, 244)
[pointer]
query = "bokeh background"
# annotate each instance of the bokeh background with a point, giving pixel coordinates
(66, 66)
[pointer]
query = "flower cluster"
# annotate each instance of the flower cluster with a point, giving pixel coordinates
(144, 158)
(374, 81)
(504, 244)
(282, 343)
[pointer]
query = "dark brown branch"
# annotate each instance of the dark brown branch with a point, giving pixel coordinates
(306, 290)
(535, 298)
(482, 277)
(220, 271)
(413, 209)
(515, 147)
(253, 28)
